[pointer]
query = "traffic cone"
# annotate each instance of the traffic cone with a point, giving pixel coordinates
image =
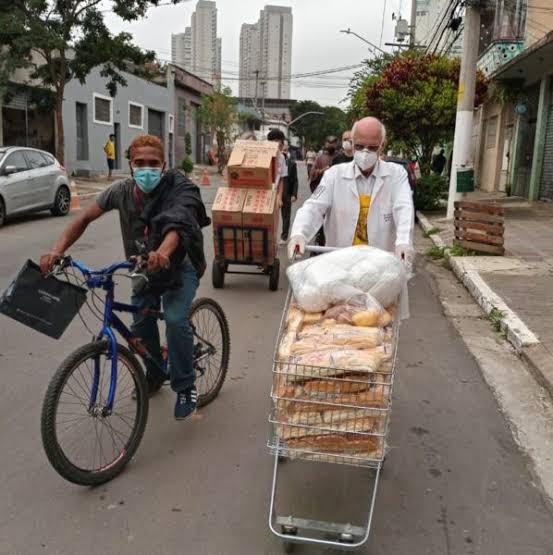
(75, 200)
(205, 178)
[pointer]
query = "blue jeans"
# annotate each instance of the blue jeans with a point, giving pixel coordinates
(180, 338)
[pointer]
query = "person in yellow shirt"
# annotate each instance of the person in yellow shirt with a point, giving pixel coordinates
(109, 149)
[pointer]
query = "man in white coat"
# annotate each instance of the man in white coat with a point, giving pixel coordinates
(364, 202)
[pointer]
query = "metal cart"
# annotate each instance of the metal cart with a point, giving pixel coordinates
(221, 264)
(333, 427)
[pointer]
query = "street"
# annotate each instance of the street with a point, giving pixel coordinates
(454, 480)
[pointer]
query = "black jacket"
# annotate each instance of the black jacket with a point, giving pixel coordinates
(291, 181)
(176, 205)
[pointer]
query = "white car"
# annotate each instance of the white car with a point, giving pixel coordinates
(32, 180)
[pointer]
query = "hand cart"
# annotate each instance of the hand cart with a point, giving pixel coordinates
(331, 428)
(269, 267)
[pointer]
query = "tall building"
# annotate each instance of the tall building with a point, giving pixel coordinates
(249, 61)
(266, 54)
(181, 49)
(206, 47)
(198, 49)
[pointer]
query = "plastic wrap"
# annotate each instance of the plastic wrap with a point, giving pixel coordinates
(360, 310)
(324, 281)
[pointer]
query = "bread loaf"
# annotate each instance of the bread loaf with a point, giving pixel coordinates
(340, 443)
(366, 318)
(385, 319)
(285, 346)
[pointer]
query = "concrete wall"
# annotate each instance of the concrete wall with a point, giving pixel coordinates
(139, 91)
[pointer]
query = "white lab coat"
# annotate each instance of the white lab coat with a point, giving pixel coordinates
(335, 206)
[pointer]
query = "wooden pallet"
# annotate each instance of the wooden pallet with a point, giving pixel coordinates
(480, 227)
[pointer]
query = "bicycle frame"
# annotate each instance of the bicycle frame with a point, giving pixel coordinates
(103, 279)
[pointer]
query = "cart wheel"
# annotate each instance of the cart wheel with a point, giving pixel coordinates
(218, 275)
(274, 275)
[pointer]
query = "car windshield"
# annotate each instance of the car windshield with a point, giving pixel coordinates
(2, 153)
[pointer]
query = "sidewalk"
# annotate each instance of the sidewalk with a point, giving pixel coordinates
(519, 285)
(91, 186)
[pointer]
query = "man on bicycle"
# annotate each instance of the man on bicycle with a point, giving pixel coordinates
(162, 211)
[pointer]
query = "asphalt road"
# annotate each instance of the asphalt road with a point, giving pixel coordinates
(454, 481)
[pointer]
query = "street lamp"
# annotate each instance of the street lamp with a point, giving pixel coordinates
(348, 31)
(312, 113)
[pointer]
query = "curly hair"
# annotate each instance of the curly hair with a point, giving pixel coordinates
(147, 140)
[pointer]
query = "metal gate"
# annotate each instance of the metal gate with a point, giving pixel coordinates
(546, 184)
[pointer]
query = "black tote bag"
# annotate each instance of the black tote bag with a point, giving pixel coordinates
(46, 304)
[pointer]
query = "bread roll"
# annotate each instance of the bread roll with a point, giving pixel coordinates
(294, 319)
(310, 318)
(285, 346)
(367, 318)
(385, 319)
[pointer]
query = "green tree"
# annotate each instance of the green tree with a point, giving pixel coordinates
(314, 128)
(415, 95)
(61, 40)
(218, 113)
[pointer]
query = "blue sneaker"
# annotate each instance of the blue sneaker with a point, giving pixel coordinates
(186, 403)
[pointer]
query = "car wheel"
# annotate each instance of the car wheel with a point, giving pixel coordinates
(2, 213)
(62, 203)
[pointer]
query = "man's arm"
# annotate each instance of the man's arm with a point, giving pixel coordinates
(160, 257)
(403, 211)
(294, 180)
(70, 235)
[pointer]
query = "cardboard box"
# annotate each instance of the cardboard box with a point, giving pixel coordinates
(252, 164)
(227, 212)
(260, 212)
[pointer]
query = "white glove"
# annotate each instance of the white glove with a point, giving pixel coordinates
(296, 245)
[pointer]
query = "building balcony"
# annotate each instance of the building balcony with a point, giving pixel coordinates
(498, 53)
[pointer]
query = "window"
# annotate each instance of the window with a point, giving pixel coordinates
(49, 159)
(35, 159)
(136, 115)
(181, 123)
(18, 160)
(103, 109)
(491, 131)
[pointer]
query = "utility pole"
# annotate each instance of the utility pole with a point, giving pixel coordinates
(465, 100)
(256, 86)
(413, 25)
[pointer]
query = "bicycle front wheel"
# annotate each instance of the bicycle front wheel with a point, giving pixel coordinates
(211, 348)
(86, 442)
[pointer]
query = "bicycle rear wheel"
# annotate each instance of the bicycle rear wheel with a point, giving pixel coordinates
(86, 443)
(211, 348)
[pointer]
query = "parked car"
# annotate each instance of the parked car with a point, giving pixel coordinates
(410, 173)
(32, 180)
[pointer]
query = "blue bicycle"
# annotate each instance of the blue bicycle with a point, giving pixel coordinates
(96, 406)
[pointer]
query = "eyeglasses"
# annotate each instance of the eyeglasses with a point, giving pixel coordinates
(370, 148)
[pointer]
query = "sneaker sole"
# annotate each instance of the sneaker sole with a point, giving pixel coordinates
(180, 418)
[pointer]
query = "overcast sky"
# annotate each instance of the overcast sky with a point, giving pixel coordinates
(317, 42)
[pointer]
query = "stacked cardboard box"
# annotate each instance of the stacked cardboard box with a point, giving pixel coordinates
(245, 212)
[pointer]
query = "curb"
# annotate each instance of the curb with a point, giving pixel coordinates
(525, 342)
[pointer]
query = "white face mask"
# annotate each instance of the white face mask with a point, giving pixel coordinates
(346, 145)
(365, 159)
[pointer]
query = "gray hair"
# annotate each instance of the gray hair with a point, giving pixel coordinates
(248, 136)
(382, 131)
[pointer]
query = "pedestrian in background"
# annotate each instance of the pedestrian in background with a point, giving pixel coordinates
(109, 149)
(346, 154)
(323, 162)
(290, 193)
(310, 156)
(438, 163)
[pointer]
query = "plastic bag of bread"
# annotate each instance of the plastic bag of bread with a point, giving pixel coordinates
(359, 310)
(324, 281)
(357, 361)
(342, 335)
(294, 319)
(285, 345)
